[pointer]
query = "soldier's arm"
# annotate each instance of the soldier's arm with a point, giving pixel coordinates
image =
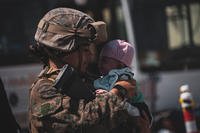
(60, 109)
(107, 107)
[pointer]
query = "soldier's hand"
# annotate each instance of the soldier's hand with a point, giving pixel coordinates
(100, 91)
(125, 86)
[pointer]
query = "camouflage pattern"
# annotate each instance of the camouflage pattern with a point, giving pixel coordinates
(66, 29)
(53, 112)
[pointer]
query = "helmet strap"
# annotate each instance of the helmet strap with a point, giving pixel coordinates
(80, 59)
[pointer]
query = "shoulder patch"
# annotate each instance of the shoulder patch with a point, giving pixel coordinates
(47, 108)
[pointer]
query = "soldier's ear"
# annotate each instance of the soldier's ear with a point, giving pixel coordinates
(121, 65)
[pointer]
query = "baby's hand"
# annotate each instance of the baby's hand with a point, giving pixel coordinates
(100, 91)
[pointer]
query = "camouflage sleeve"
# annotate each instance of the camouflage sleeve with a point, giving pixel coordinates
(105, 108)
(61, 110)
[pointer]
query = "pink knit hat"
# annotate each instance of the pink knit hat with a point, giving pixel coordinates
(119, 50)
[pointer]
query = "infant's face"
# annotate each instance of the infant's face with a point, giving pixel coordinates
(106, 64)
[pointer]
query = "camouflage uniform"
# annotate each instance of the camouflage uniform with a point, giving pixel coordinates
(55, 112)
(51, 111)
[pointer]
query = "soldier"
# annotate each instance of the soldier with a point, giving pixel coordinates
(60, 100)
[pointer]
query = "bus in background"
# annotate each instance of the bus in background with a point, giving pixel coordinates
(165, 34)
(168, 49)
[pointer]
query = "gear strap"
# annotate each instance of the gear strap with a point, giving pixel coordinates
(95, 31)
(48, 27)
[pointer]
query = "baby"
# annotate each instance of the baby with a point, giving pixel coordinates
(115, 64)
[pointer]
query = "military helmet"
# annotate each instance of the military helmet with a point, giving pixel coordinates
(66, 29)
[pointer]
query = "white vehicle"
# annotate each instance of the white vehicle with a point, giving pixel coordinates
(166, 35)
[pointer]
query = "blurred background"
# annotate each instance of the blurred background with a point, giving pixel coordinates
(166, 34)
